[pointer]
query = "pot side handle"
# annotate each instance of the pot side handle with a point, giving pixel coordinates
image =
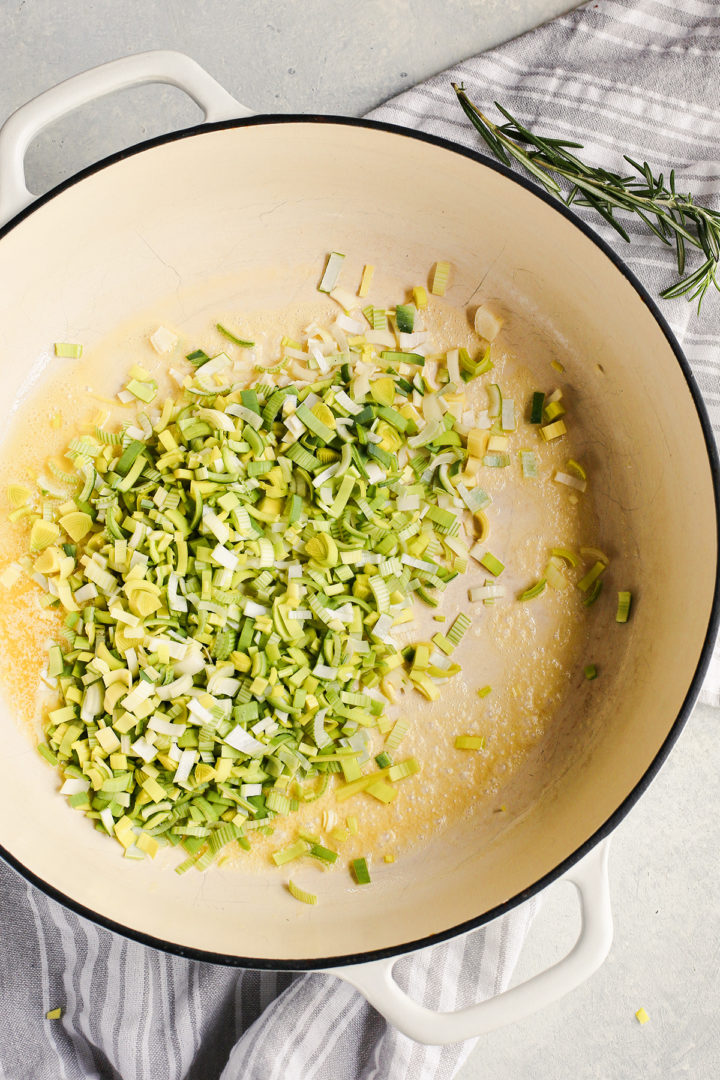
(159, 65)
(375, 982)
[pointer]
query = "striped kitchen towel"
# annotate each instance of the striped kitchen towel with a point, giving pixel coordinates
(620, 75)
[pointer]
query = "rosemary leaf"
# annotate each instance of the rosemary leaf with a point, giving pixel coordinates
(672, 216)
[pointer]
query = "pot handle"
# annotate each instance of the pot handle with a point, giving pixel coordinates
(375, 982)
(159, 65)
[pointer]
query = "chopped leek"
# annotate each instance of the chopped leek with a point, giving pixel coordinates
(593, 592)
(301, 894)
(537, 406)
(487, 323)
(590, 672)
(469, 742)
(595, 554)
(535, 590)
(493, 564)
(569, 480)
(67, 350)
(553, 410)
(529, 464)
(360, 871)
(233, 337)
(623, 607)
(441, 276)
(325, 855)
(18, 495)
(367, 276)
(568, 556)
(405, 318)
(592, 575)
(494, 400)
(332, 272)
(553, 431)
(458, 628)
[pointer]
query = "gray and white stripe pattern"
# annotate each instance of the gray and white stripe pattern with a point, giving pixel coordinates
(132, 1013)
(631, 74)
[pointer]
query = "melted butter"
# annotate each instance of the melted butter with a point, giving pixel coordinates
(527, 652)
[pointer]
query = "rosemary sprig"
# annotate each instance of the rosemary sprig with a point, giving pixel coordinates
(675, 218)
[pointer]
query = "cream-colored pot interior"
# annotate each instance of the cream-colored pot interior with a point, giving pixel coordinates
(172, 220)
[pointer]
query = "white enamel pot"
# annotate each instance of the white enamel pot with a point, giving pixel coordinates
(177, 215)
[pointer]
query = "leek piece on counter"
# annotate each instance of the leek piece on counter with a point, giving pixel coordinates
(403, 769)
(382, 791)
(487, 324)
(570, 481)
(460, 624)
(592, 575)
(595, 554)
(593, 592)
(332, 272)
(554, 576)
(575, 467)
(484, 691)
(301, 894)
(440, 278)
(55, 661)
(529, 464)
(68, 350)
(553, 431)
(469, 742)
(590, 671)
(537, 406)
(405, 318)
(496, 461)
(360, 871)
(492, 564)
(366, 279)
(322, 853)
(554, 410)
(397, 734)
(395, 357)
(494, 400)
(42, 534)
(568, 556)
(163, 340)
(420, 296)
(507, 422)
(233, 337)
(18, 495)
(623, 606)
(287, 854)
(535, 590)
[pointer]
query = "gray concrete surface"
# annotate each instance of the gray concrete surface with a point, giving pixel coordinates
(342, 57)
(664, 873)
